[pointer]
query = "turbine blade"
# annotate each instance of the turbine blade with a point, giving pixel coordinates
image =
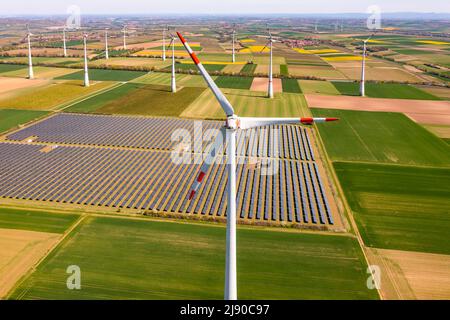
(224, 103)
(217, 146)
(248, 123)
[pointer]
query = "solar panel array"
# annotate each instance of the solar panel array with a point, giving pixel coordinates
(141, 174)
(149, 180)
(156, 133)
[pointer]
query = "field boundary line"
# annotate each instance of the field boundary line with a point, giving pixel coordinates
(50, 251)
(69, 104)
(347, 208)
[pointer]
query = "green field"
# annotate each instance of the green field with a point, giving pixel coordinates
(10, 67)
(318, 87)
(105, 75)
(291, 85)
(234, 82)
(284, 70)
(396, 207)
(36, 220)
(132, 259)
(98, 101)
(193, 67)
(385, 90)
(10, 118)
(248, 104)
(380, 137)
(249, 68)
(52, 95)
(151, 100)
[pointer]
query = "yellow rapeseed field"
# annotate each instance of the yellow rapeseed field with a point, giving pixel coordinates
(316, 51)
(438, 43)
(247, 40)
(256, 49)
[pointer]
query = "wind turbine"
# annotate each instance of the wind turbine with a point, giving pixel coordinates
(362, 88)
(86, 74)
(173, 79)
(233, 124)
(233, 59)
(30, 60)
(270, 44)
(106, 45)
(64, 42)
(124, 30)
(164, 43)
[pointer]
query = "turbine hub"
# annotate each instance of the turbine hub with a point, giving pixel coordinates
(233, 122)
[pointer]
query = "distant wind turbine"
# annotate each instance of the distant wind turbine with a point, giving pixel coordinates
(86, 74)
(106, 45)
(173, 79)
(64, 42)
(233, 124)
(164, 43)
(30, 60)
(124, 30)
(270, 45)
(362, 88)
(233, 59)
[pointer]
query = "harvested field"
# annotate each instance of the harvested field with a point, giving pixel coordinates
(51, 96)
(422, 111)
(439, 130)
(381, 137)
(234, 68)
(380, 74)
(261, 84)
(248, 103)
(19, 251)
(264, 69)
(48, 51)
(41, 72)
(413, 275)
(9, 86)
(318, 87)
(319, 267)
(313, 71)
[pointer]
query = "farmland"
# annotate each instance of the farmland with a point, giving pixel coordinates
(32, 220)
(234, 82)
(385, 90)
(396, 207)
(381, 137)
(150, 100)
(148, 266)
(52, 95)
(318, 87)
(248, 104)
(10, 118)
(104, 75)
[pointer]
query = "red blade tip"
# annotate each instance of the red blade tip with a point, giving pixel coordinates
(191, 196)
(332, 119)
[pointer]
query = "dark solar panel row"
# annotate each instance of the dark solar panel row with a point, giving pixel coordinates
(287, 142)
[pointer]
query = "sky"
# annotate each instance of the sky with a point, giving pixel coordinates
(17, 7)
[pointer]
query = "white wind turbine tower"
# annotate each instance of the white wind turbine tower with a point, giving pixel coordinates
(86, 74)
(124, 30)
(173, 79)
(233, 58)
(30, 60)
(106, 44)
(362, 87)
(270, 45)
(164, 43)
(232, 125)
(64, 42)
